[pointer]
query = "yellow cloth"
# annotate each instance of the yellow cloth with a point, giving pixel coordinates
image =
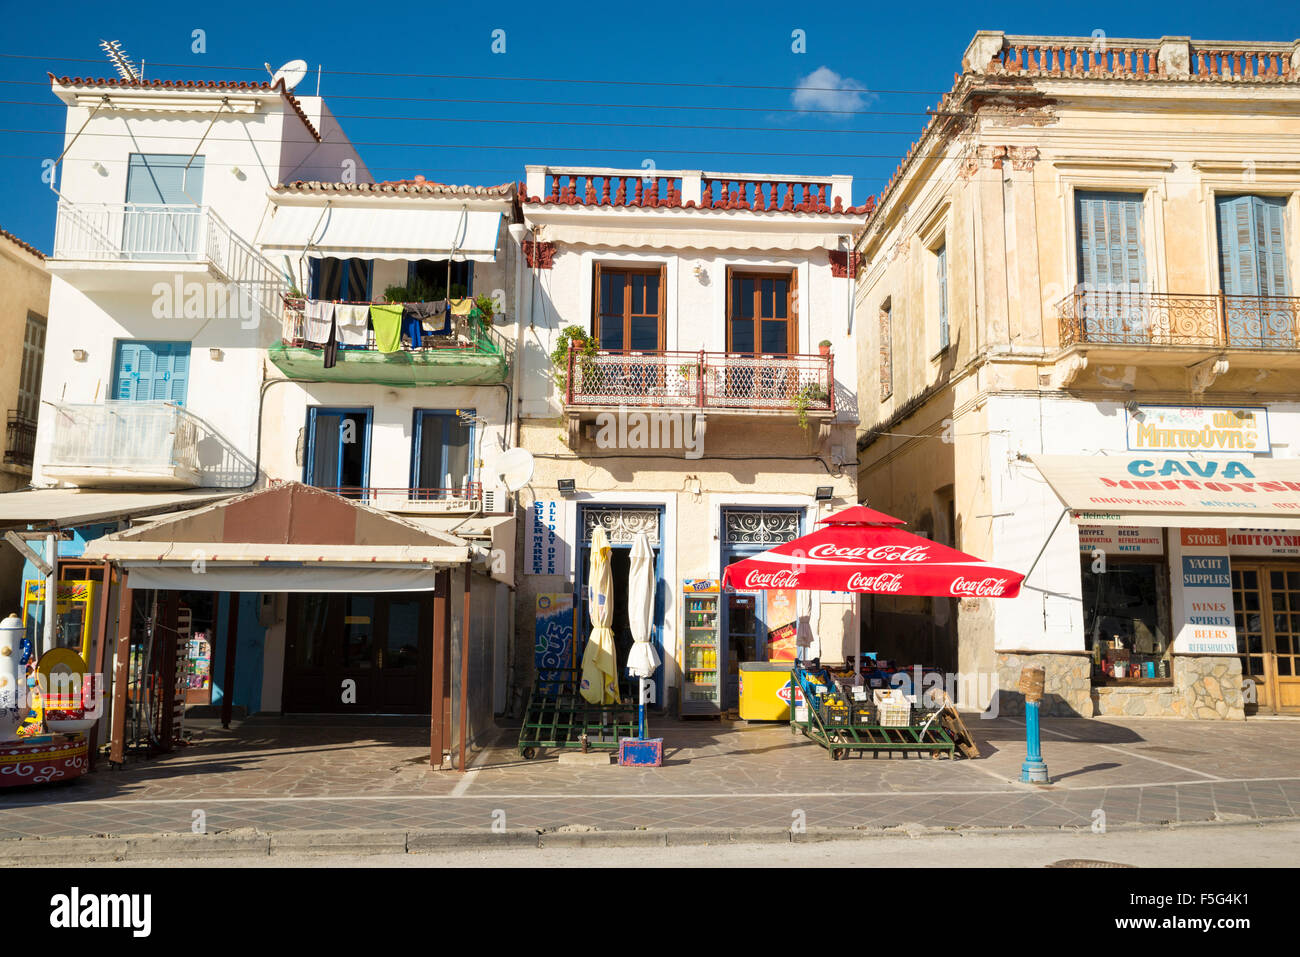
(387, 320)
(599, 660)
(461, 307)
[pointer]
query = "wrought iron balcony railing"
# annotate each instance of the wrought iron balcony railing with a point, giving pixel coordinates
(20, 440)
(702, 380)
(1138, 318)
(463, 497)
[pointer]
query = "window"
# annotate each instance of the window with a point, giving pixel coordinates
(886, 349)
(29, 379)
(1126, 617)
(761, 316)
(441, 456)
(151, 371)
(941, 292)
(341, 280)
(163, 219)
(338, 450)
(430, 279)
(1110, 241)
(1252, 262)
(629, 308)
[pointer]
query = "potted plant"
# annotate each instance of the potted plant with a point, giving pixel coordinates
(805, 398)
(585, 346)
(824, 347)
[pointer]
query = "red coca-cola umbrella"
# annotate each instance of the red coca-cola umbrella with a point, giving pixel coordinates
(863, 550)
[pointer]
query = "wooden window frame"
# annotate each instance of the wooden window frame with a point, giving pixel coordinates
(791, 297)
(628, 269)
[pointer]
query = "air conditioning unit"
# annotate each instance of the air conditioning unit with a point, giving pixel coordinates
(496, 498)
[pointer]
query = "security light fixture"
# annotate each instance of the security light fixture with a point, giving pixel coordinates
(215, 354)
(79, 355)
(567, 487)
(824, 493)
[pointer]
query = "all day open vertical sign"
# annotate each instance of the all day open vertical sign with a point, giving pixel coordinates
(1204, 580)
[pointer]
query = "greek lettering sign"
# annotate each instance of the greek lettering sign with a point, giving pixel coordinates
(1120, 540)
(1191, 428)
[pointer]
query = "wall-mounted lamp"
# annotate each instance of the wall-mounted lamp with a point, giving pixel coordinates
(98, 167)
(568, 487)
(517, 231)
(824, 493)
(79, 355)
(215, 354)
(238, 173)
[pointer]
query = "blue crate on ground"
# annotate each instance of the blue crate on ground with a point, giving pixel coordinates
(640, 752)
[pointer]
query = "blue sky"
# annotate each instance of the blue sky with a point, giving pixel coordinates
(659, 56)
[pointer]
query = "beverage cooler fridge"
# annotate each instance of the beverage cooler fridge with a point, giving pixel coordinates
(702, 662)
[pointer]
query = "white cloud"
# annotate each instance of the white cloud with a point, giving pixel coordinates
(824, 89)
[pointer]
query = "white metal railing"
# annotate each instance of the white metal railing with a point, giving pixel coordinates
(133, 436)
(162, 233)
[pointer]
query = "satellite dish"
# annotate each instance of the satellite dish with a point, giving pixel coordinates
(291, 73)
(514, 467)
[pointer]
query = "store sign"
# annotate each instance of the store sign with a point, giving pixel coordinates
(1120, 540)
(1171, 428)
(1176, 490)
(546, 551)
(1264, 542)
(1203, 590)
(553, 645)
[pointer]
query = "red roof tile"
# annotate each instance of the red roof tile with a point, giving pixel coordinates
(189, 85)
(18, 242)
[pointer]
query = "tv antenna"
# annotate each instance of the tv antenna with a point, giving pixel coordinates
(117, 56)
(291, 73)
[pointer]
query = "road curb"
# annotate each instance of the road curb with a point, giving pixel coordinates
(51, 851)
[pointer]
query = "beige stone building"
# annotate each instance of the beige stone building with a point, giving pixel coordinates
(1078, 358)
(715, 411)
(24, 306)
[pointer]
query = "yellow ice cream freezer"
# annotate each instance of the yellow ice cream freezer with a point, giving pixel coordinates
(765, 690)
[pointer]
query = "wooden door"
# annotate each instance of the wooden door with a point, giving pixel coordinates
(1266, 599)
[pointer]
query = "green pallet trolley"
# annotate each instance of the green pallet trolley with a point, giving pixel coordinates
(558, 716)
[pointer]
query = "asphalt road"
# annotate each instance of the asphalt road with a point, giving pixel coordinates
(1186, 846)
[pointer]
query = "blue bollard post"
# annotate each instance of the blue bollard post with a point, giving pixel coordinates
(1034, 770)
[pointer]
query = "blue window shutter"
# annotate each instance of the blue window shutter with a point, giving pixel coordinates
(1270, 235)
(1109, 227)
(1236, 246)
(313, 278)
(152, 371)
(942, 266)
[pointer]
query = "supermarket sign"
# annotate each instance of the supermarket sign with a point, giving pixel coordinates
(1173, 428)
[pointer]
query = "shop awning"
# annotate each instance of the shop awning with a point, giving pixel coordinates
(66, 507)
(1176, 491)
(289, 537)
(382, 232)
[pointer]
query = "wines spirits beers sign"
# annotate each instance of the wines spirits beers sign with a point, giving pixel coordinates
(1203, 592)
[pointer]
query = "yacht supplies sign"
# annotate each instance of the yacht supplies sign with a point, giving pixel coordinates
(1204, 584)
(1174, 428)
(1152, 489)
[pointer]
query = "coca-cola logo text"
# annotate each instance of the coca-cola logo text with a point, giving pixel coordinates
(884, 582)
(779, 579)
(880, 553)
(983, 588)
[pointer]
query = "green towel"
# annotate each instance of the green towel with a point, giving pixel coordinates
(387, 321)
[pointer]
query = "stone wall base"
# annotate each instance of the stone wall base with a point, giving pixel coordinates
(1068, 687)
(1207, 688)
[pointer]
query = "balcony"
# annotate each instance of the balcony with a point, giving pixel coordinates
(703, 382)
(118, 246)
(472, 354)
(139, 445)
(419, 501)
(20, 440)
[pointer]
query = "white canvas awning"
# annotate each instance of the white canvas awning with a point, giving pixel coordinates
(65, 507)
(382, 232)
(282, 577)
(1176, 491)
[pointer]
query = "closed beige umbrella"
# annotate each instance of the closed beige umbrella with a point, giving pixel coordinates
(599, 661)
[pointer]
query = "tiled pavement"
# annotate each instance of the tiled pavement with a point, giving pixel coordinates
(286, 775)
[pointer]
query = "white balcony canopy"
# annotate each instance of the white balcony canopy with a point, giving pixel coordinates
(375, 232)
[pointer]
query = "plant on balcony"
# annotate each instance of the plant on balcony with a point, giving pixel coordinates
(585, 346)
(805, 398)
(824, 347)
